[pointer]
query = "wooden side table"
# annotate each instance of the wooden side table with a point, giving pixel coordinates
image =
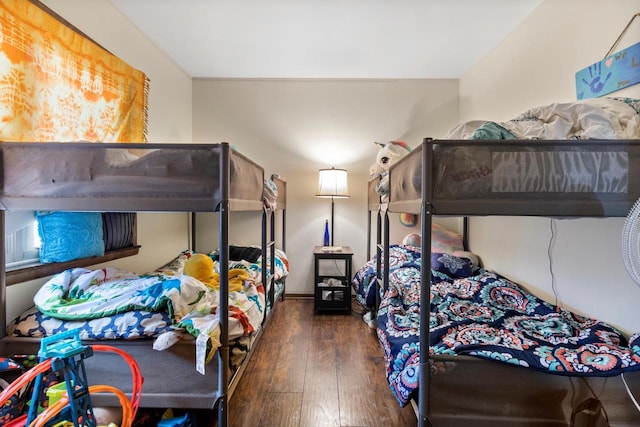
(332, 280)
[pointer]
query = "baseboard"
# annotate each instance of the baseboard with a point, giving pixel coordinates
(305, 296)
(298, 296)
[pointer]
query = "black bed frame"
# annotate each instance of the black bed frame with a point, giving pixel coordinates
(462, 390)
(167, 178)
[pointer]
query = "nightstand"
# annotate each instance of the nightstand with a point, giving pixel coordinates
(332, 279)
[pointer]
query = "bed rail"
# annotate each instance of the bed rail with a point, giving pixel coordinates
(126, 177)
(557, 178)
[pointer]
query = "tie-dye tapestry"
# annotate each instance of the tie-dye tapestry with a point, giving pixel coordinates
(57, 85)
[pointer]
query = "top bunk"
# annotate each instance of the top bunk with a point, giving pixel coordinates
(563, 178)
(569, 159)
(82, 176)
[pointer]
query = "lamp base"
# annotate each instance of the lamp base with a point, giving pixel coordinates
(331, 248)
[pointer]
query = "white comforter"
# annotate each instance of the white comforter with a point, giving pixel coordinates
(599, 118)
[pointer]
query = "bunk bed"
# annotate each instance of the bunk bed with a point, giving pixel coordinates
(106, 177)
(552, 178)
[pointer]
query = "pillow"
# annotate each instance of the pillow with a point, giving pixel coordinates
(452, 266)
(117, 229)
(65, 236)
(247, 253)
(442, 240)
(445, 241)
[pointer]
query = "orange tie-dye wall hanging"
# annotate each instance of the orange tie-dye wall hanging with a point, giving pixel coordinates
(57, 85)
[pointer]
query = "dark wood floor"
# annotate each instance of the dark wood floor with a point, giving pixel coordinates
(316, 370)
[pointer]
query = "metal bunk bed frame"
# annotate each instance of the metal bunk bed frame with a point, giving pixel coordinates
(189, 178)
(416, 186)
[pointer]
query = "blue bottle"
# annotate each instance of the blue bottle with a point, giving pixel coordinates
(326, 233)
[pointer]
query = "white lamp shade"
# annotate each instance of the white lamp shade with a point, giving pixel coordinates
(332, 183)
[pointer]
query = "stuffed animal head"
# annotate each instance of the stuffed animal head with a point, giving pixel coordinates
(388, 154)
(199, 266)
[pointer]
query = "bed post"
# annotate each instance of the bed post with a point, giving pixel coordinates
(223, 351)
(272, 261)
(268, 267)
(379, 272)
(465, 233)
(368, 233)
(284, 248)
(192, 246)
(385, 283)
(425, 284)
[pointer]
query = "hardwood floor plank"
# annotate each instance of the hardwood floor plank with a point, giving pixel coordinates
(320, 410)
(283, 410)
(316, 370)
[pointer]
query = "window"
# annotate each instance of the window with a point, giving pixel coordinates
(21, 239)
(22, 250)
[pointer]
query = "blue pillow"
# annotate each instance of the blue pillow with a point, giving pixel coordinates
(452, 266)
(66, 236)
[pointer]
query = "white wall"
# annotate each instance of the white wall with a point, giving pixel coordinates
(534, 66)
(161, 235)
(295, 127)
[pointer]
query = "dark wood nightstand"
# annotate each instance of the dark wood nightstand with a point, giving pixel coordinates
(332, 279)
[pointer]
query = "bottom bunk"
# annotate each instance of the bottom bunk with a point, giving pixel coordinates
(498, 354)
(154, 317)
(466, 391)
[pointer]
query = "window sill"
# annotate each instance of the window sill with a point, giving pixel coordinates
(37, 271)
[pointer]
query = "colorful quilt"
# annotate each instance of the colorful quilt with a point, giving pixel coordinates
(127, 320)
(480, 313)
(82, 295)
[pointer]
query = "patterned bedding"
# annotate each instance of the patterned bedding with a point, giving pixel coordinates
(480, 313)
(115, 304)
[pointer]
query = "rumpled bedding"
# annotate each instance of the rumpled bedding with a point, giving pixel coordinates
(480, 313)
(134, 323)
(270, 194)
(83, 294)
(597, 118)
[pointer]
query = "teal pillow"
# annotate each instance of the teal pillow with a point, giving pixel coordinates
(66, 236)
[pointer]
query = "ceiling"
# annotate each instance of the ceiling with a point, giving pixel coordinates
(325, 38)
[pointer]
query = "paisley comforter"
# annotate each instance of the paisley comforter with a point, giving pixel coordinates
(480, 313)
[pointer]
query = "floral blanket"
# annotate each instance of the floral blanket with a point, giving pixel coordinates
(480, 313)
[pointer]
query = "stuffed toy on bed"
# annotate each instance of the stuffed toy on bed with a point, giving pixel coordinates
(201, 267)
(389, 154)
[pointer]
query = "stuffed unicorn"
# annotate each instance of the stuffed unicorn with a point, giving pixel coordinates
(388, 155)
